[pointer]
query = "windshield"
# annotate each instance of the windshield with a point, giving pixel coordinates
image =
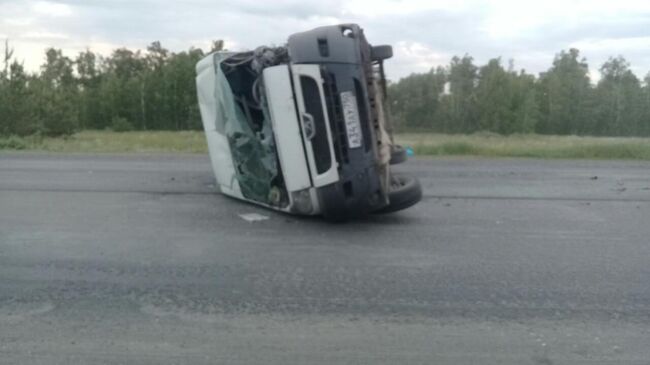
(246, 124)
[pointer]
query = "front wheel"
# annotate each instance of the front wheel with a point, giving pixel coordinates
(405, 191)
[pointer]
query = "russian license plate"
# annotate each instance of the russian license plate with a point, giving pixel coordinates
(351, 116)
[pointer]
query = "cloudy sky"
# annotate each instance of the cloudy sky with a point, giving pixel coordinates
(424, 33)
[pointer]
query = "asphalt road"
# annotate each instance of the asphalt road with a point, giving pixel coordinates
(137, 260)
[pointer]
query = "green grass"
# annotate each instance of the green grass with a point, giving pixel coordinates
(480, 144)
(115, 142)
(534, 146)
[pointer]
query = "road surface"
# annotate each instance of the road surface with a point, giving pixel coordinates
(137, 260)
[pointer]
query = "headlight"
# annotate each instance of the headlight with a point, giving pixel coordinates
(302, 201)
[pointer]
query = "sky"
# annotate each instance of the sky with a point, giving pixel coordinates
(423, 33)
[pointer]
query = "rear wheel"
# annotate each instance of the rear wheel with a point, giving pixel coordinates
(405, 191)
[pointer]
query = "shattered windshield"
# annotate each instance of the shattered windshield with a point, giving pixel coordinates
(244, 119)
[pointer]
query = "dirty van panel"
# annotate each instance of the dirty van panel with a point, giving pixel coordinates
(333, 44)
(359, 189)
(342, 53)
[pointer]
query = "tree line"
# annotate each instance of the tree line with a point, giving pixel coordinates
(128, 90)
(465, 98)
(155, 90)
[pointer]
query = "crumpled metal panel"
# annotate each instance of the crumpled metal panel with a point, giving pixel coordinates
(254, 154)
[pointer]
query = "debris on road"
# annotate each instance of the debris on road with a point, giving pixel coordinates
(253, 217)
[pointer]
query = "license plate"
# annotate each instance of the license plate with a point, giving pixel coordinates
(351, 116)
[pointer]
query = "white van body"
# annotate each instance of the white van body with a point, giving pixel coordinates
(293, 148)
(303, 128)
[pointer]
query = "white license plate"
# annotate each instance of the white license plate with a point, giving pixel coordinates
(351, 116)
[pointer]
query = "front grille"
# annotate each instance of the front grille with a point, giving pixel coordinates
(320, 143)
(337, 121)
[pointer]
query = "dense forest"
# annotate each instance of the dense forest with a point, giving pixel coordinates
(154, 90)
(466, 98)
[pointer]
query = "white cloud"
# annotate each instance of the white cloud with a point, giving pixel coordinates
(43, 35)
(424, 33)
(18, 22)
(414, 57)
(377, 8)
(50, 8)
(613, 44)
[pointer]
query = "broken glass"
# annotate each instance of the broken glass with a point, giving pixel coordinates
(244, 120)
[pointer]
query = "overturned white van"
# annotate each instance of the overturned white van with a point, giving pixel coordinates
(303, 128)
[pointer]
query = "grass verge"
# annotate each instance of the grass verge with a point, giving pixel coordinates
(480, 144)
(113, 142)
(534, 146)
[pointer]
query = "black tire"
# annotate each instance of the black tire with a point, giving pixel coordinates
(397, 155)
(405, 192)
(379, 53)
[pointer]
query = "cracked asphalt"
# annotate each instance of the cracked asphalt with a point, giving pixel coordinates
(137, 259)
